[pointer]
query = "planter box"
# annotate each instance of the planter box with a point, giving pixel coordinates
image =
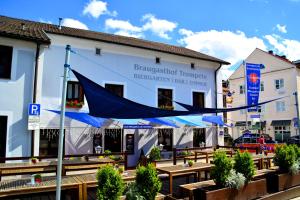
(252, 190)
(277, 182)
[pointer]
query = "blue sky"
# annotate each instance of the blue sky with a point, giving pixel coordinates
(229, 29)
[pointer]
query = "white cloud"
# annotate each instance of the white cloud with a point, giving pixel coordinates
(97, 8)
(281, 28)
(160, 27)
(124, 28)
(227, 45)
(290, 48)
(74, 23)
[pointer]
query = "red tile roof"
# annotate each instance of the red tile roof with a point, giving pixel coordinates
(37, 31)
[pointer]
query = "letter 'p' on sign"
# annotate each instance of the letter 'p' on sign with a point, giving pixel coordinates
(34, 109)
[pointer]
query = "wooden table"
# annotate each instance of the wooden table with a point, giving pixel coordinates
(210, 152)
(7, 169)
(183, 169)
(23, 186)
(90, 181)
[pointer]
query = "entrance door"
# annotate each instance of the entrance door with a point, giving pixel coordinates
(113, 140)
(3, 129)
(198, 137)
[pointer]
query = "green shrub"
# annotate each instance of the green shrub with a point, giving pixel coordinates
(244, 164)
(297, 152)
(110, 184)
(154, 154)
(147, 181)
(285, 157)
(221, 169)
(107, 152)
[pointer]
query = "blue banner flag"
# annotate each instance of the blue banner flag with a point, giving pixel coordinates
(253, 85)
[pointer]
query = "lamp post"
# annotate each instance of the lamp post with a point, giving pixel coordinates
(98, 149)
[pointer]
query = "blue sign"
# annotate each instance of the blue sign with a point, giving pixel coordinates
(34, 109)
(296, 122)
(137, 126)
(254, 116)
(253, 85)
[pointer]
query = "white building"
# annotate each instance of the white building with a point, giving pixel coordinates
(279, 78)
(133, 68)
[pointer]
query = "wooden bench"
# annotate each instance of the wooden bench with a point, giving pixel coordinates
(189, 188)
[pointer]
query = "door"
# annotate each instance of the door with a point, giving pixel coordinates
(199, 137)
(3, 132)
(113, 140)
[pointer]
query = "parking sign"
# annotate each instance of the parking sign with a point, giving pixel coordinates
(34, 111)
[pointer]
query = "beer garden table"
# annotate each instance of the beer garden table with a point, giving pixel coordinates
(50, 166)
(209, 152)
(48, 184)
(183, 169)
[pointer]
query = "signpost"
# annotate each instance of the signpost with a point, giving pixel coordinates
(34, 111)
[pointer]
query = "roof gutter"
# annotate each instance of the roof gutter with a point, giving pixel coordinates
(34, 95)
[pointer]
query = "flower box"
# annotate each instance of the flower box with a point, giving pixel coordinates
(281, 181)
(74, 104)
(252, 190)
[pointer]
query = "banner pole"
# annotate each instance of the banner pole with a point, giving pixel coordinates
(246, 102)
(62, 123)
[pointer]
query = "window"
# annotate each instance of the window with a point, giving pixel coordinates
(280, 106)
(261, 108)
(5, 61)
(157, 60)
(49, 142)
(98, 51)
(193, 65)
(165, 137)
(75, 95)
(262, 86)
(165, 99)
(199, 137)
(242, 89)
(279, 83)
(198, 99)
(115, 89)
(282, 133)
(113, 140)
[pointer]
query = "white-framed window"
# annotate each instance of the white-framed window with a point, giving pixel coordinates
(280, 106)
(279, 83)
(243, 111)
(282, 133)
(262, 86)
(261, 108)
(242, 89)
(6, 53)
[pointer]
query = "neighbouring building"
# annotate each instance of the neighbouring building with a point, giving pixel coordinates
(32, 57)
(279, 78)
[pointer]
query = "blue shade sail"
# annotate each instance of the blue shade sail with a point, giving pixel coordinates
(84, 117)
(105, 104)
(214, 119)
(161, 122)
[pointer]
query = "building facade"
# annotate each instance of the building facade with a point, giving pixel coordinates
(279, 78)
(149, 73)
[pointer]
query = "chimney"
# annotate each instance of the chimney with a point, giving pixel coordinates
(271, 52)
(23, 27)
(59, 23)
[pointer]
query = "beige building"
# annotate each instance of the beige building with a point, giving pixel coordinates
(279, 78)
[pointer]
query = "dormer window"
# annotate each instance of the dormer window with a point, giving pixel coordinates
(157, 60)
(98, 51)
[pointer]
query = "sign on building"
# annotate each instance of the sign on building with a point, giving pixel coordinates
(34, 111)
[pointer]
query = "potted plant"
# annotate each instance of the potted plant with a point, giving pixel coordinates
(232, 181)
(85, 158)
(37, 178)
(133, 193)
(34, 160)
(286, 158)
(147, 181)
(154, 155)
(110, 184)
(190, 163)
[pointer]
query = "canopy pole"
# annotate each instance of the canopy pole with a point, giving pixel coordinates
(62, 123)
